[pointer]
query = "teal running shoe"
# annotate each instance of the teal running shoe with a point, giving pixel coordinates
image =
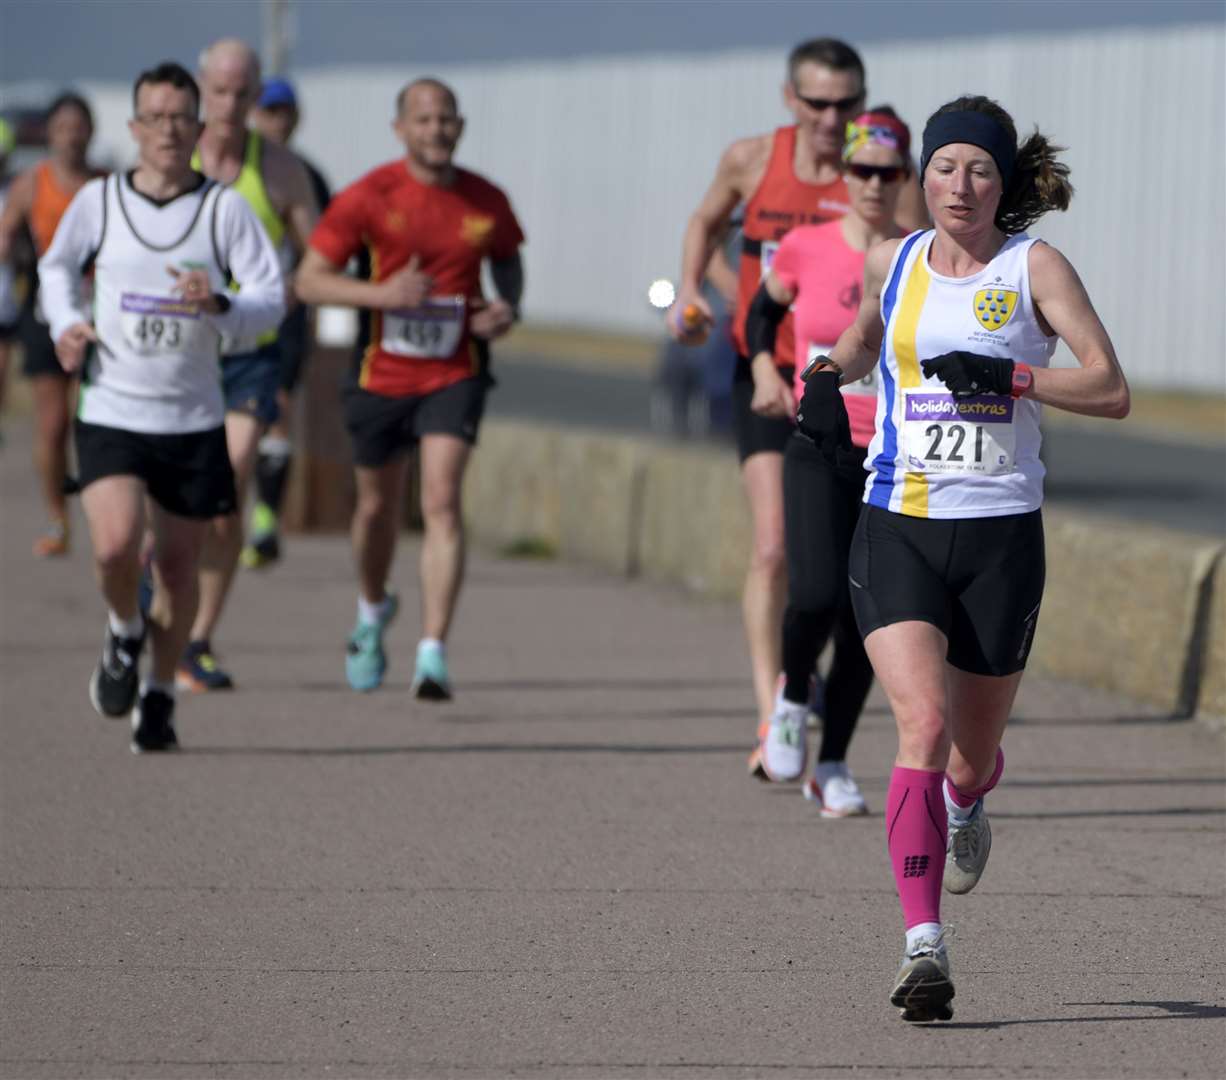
(365, 661)
(430, 679)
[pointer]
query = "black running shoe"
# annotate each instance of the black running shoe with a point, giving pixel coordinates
(113, 686)
(153, 728)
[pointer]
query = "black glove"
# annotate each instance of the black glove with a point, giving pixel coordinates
(822, 416)
(968, 373)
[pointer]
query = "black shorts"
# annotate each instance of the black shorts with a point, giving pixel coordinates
(382, 427)
(978, 580)
(186, 475)
(37, 349)
(754, 433)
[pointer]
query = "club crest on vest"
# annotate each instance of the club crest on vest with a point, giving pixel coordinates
(994, 307)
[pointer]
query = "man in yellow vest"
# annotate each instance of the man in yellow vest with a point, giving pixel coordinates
(278, 188)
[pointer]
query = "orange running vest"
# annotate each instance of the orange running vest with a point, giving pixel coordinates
(48, 206)
(780, 203)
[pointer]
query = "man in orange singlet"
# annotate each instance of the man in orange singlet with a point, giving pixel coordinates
(36, 201)
(792, 176)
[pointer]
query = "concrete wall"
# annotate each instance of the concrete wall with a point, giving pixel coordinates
(1140, 611)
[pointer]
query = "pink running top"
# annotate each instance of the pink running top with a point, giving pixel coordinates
(827, 275)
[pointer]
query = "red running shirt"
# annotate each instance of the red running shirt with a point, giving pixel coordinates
(393, 216)
(780, 203)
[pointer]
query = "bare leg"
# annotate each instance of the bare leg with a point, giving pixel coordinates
(909, 660)
(376, 523)
(766, 579)
(443, 460)
(115, 512)
(223, 540)
(177, 545)
(979, 710)
(51, 395)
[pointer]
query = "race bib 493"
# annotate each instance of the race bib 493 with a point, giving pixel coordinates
(158, 324)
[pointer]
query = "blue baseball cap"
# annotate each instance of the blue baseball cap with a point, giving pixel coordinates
(278, 92)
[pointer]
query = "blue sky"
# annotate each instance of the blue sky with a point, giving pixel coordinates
(58, 41)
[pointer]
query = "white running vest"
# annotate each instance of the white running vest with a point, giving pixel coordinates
(156, 368)
(933, 455)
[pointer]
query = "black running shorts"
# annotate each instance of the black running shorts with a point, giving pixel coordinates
(754, 433)
(37, 349)
(978, 580)
(186, 475)
(383, 427)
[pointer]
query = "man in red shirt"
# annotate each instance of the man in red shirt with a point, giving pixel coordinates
(792, 176)
(422, 368)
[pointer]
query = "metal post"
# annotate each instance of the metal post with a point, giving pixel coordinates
(275, 60)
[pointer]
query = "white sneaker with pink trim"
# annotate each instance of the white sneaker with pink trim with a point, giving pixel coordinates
(834, 790)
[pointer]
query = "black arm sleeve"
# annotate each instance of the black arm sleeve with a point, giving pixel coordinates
(762, 322)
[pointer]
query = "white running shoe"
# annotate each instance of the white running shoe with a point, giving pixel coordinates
(923, 988)
(785, 747)
(966, 851)
(834, 790)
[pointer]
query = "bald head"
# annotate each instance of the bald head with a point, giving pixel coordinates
(231, 54)
(229, 87)
(426, 88)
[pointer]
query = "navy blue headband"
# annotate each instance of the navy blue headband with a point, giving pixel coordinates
(975, 128)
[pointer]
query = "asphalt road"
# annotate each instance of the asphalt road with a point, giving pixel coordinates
(1104, 469)
(566, 872)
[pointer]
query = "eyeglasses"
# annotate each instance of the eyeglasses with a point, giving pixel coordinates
(157, 121)
(887, 174)
(846, 104)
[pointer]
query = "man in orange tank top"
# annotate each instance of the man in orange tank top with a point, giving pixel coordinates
(36, 201)
(792, 176)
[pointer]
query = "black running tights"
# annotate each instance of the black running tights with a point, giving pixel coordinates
(821, 508)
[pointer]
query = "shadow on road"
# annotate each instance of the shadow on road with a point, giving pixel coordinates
(1174, 1010)
(469, 748)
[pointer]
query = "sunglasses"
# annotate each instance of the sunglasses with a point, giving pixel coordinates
(818, 104)
(887, 174)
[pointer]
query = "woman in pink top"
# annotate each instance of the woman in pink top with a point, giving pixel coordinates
(819, 270)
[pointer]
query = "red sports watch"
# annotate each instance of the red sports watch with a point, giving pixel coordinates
(1023, 379)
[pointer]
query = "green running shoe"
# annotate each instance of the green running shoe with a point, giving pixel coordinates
(365, 661)
(431, 681)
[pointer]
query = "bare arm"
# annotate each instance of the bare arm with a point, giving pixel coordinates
(291, 189)
(858, 346)
(772, 393)
(722, 276)
(321, 281)
(1097, 387)
(16, 210)
(707, 223)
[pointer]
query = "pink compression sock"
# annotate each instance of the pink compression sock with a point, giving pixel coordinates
(915, 835)
(967, 799)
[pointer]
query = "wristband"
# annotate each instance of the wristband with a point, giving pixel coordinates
(1023, 379)
(222, 301)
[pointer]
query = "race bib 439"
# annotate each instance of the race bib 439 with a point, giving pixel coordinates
(432, 329)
